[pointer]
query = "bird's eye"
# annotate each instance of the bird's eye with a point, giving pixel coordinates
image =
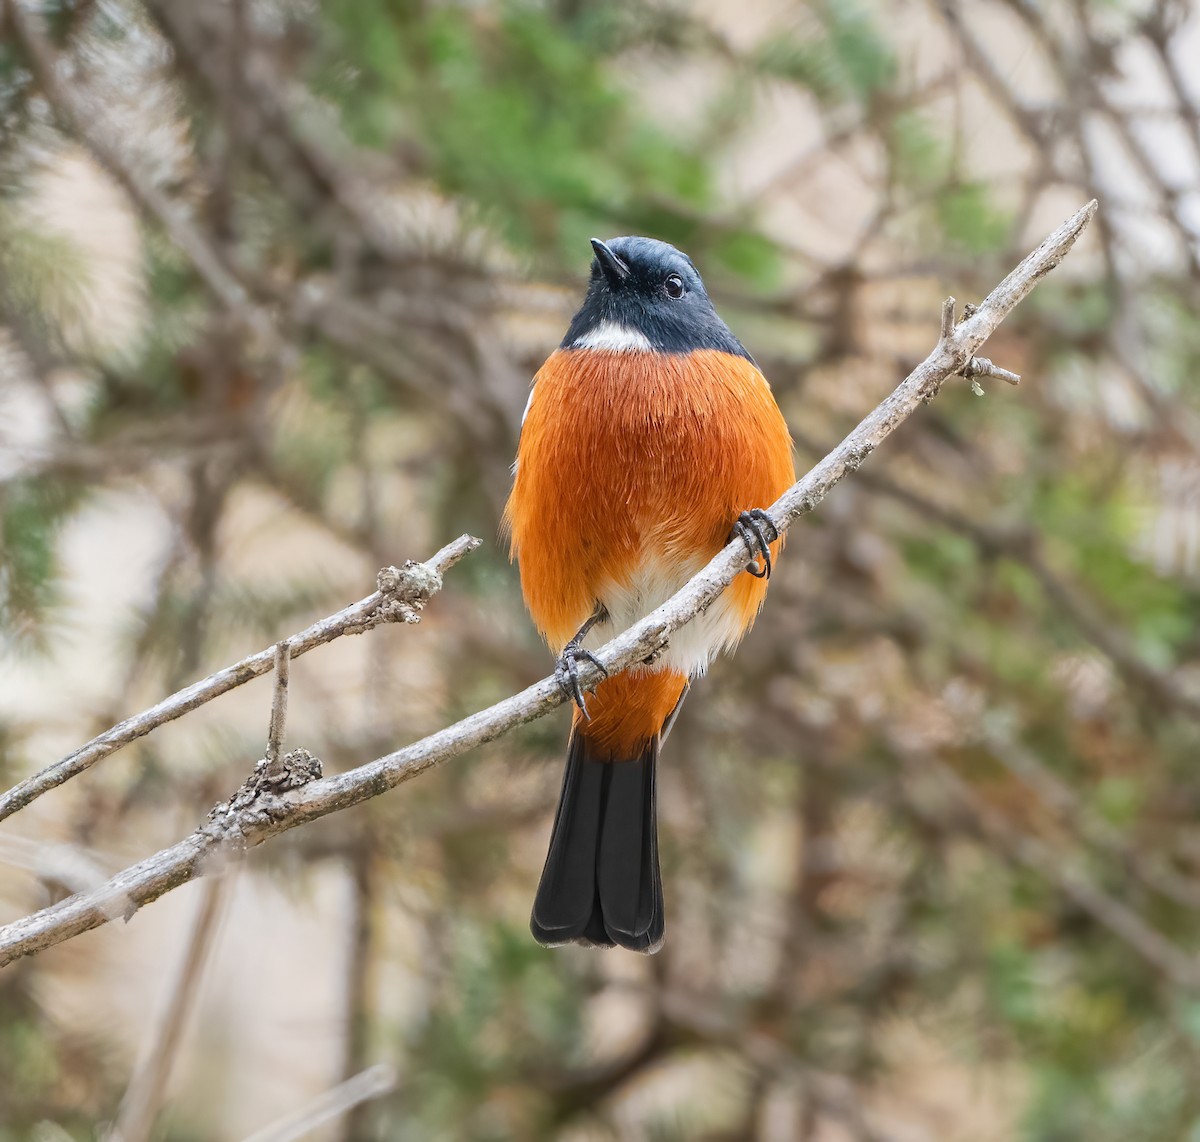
(674, 286)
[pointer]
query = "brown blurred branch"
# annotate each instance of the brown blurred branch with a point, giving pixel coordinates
(71, 110)
(581, 1091)
(1084, 91)
(1091, 829)
(259, 812)
(360, 974)
(835, 1096)
(402, 593)
(1175, 964)
(263, 117)
(1024, 547)
(428, 365)
(148, 1086)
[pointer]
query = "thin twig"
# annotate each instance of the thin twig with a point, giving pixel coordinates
(54, 862)
(279, 700)
(253, 819)
(982, 367)
(947, 319)
(372, 1083)
(403, 592)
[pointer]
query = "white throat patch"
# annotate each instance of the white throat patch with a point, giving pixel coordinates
(610, 335)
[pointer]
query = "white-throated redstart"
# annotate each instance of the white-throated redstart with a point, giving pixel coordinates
(650, 439)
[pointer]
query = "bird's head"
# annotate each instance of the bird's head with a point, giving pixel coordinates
(645, 295)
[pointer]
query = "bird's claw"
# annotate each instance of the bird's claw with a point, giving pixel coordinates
(566, 673)
(755, 529)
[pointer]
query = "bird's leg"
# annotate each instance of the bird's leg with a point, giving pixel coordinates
(755, 529)
(566, 670)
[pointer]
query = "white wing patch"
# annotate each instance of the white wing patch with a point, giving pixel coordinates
(610, 335)
(524, 415)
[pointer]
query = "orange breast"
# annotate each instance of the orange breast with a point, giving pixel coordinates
(631, 469)
(638, 464)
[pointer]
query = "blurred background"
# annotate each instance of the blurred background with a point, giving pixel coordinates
(274, 277)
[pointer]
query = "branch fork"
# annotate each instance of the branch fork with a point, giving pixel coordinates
(974, 367)
(259, 801)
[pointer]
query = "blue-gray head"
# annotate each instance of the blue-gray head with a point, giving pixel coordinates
(647, 295)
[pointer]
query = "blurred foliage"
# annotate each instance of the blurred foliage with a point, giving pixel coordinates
(33, 512)
(847, 819)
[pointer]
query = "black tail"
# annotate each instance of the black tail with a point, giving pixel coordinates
(601, 885)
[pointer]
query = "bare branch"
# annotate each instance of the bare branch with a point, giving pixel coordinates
(262, 810)
(402, 593)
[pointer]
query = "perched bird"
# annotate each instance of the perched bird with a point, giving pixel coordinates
(649, 441)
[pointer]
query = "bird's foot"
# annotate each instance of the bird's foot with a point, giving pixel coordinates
(755, 529)
(566, 672)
